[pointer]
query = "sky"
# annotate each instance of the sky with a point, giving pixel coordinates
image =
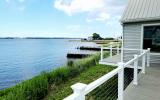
(60, 18)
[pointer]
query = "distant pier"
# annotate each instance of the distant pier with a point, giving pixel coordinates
(89, 48)
(79, 54)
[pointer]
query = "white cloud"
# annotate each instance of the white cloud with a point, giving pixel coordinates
(103, 16)
(77, 6)
(98, 10)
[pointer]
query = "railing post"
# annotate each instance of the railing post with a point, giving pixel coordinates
(148, 57)
(135, 79)
(111, 50)
(120, 81)
(118, 49)
(143, 64)
(78, 89)
(101, 53)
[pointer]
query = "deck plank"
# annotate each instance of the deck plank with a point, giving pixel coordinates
(111, 60)
(148, 87)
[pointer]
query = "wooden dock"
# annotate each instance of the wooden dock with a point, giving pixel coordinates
(89, 48)
(79, 54)
(93, 48)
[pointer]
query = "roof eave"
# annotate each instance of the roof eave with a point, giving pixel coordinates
(139, 20)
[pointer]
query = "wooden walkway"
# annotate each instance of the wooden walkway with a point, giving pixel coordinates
(111, 60)
(148, 87)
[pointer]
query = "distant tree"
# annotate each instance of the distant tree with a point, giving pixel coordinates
(96, 36)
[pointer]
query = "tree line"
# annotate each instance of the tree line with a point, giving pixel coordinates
(96, 36)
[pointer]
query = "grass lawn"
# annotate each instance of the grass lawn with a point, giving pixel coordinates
(63, 90)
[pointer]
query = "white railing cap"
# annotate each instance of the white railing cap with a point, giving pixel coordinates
(78, 87)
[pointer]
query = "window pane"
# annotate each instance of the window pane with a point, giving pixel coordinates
(152, 38)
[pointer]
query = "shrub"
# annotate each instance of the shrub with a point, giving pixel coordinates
(32, 89)
(38, 87)
(70, 63)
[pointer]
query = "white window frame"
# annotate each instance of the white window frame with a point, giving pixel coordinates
(142, 31)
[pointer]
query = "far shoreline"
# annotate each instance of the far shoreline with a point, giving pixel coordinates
(38, 38)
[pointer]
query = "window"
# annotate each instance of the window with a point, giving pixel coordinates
(152, 38)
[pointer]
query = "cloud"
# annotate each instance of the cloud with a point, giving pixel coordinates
(97, 10)
(102, 16)
(77, 6)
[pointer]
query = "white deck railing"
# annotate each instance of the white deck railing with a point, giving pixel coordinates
(80, 89)
(110, 48)
(116, 50)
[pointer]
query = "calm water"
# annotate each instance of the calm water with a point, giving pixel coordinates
(22, 59)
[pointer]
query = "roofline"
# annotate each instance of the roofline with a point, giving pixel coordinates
(140, 20)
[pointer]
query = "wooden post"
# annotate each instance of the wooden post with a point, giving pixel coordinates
(135, 79)
(120, 81)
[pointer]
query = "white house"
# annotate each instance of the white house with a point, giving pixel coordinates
(141, 28)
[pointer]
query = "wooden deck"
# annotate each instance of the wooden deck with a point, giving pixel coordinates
(111, 60)
(148, 87)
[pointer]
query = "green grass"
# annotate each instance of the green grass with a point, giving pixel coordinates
(61, 91)
(114, 44)
(38, 87)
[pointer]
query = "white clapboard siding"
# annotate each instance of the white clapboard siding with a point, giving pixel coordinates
(131, 39)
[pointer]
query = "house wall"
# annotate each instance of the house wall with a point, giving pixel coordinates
(133, 39)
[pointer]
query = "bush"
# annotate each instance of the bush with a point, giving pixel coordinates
(70, 63)
(32, 89)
